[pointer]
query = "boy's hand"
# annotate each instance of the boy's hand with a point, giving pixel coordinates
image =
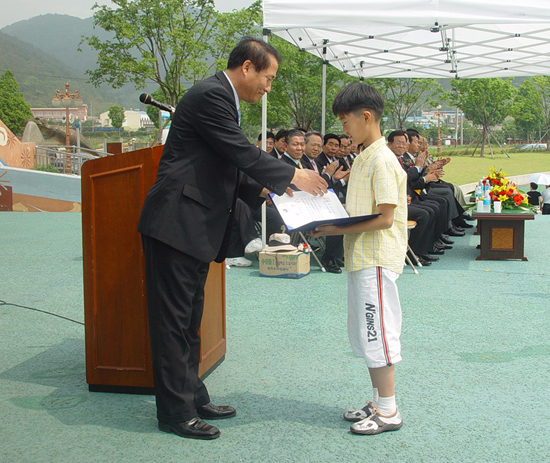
(325, 230)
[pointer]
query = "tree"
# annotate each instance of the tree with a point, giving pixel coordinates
(486, 102)
(532, 108)
(172, 43)
(14, 110)
(403, 97)
(116, 114)
(295, 98)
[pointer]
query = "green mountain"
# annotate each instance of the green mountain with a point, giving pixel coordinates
(43, 54)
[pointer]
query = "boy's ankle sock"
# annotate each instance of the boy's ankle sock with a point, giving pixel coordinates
(375, 397)
(386, 405)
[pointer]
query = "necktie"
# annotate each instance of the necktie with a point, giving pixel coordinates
(300, 165)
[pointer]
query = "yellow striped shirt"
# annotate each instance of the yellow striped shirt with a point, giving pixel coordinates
(377, 178)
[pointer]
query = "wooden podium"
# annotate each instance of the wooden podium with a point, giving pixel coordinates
(118, 355)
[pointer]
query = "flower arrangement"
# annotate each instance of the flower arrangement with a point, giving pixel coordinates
(505, 191)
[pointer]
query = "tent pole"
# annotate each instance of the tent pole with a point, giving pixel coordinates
(324, 89)
(266, 33)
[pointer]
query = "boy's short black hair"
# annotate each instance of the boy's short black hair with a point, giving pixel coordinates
(358, 97)
(534, 186)
(330, 136)
(255, 50)
(397, 133)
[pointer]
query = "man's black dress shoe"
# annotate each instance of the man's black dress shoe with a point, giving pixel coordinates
(332, 267)
(454, 232)
(425, 263)
(466, 225)
(445, 239)
(194, 428)
(429, 258)
(437, 251)
(466, 216)
(442, 245)
(216, 412)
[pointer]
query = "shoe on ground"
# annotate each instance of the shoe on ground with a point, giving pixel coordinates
(466, 225)
(466, 216)
(377, 423)
(454, 232)
(332, 267)
(361, 414)
(437, 251)
(238, 262)
(254, 246)
(442, 245)
(194, 428)
(216, 412)
(429, 258)
(445, 239)
(423, 262)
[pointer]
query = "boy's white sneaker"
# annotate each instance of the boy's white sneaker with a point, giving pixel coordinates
(360, 414)
(377, 423)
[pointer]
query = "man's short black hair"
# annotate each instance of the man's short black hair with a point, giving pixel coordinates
(293, 133)
(343, 136)
(358, 97)
(255, 50)
(281, 134)
(308, 135)
(330, 136)
(397, 133)
(534, 186)
(413, 133)
(267, 135)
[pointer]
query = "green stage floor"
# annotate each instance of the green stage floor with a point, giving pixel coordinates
(473, 385)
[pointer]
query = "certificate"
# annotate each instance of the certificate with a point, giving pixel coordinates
(303, 211)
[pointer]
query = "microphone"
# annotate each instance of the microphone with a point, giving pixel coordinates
(145, 98)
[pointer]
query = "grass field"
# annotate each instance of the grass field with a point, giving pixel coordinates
(467, 169)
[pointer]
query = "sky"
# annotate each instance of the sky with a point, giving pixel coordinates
(12, 11)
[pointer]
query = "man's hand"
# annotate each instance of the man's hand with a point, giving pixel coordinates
(409, 200)
(431, 177)
(341, 174)
(421, 159)
(310, 181)
(330, 169)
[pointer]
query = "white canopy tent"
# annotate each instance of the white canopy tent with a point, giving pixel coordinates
(416, 38)
(419, 38)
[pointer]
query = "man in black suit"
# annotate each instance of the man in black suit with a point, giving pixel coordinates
(186, 218)
(280, 143)
(295, 145)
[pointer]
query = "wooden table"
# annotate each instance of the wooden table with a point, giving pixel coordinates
(501, 235)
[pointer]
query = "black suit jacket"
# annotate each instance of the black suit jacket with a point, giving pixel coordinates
(190, 205)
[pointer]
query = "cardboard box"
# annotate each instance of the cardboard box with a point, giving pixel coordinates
(292, 264)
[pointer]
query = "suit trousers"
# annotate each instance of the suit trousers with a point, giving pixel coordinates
(175, 296)
(421, 237)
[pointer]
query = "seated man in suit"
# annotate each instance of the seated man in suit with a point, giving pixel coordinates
(295, 146)
(280, 143)
(420, 179)
(269, 142)
(424, 238)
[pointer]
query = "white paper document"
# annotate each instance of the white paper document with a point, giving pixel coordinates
(303, 211)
